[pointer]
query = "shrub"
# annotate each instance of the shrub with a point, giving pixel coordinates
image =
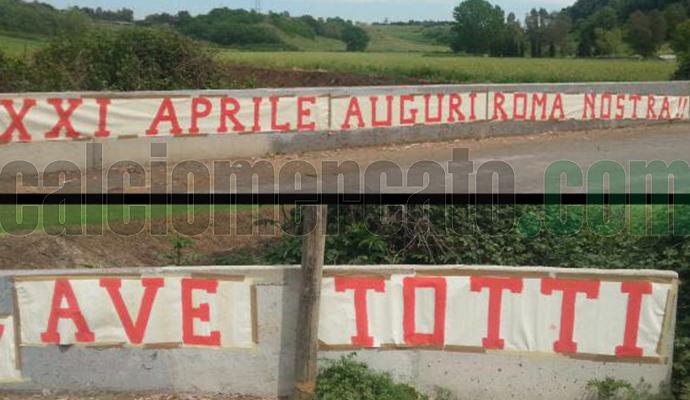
(124, 60)
(13, 74)
(355, 38)
(347, 379)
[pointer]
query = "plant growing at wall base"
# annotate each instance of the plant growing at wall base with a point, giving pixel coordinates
(348, 379)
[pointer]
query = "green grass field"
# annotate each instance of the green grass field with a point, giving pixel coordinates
(400, 39)
(16, 46)
(448, 68)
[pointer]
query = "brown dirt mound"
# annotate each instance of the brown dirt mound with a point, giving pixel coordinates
(119, 246)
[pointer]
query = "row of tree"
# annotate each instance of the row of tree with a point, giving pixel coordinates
(588, 28)
(243, 28)
(223, 26)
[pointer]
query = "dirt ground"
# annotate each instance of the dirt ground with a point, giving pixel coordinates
(119, 247)
(126, 396)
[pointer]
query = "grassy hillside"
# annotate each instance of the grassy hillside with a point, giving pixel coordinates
(19, 46)
(400, 39)
(463, 69)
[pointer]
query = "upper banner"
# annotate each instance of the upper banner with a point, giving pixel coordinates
(34, 118)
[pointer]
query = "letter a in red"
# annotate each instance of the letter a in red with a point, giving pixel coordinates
(63, 291)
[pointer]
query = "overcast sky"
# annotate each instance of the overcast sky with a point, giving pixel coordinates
(360, 10)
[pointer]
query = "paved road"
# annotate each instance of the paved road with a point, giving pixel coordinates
(527, 157)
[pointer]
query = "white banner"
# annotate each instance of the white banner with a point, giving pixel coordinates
(134, 311)
(9, 359)
(34, 118)
(618, 319)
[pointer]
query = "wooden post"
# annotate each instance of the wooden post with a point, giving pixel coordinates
(314, 224)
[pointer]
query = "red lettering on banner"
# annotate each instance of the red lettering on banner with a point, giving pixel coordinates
(17, 120)
(635, 291)
(620, 107)
(636, 99)
(103, 105)
(496, 287)
(135, 331)
(63, 118)
(202, 313)
(275, 126)
(166, 113)
(606, 106)
(570, 289)
(63, 291)
(410, 286)
(521, 116)
(427, 109)
(665, 109)
(201, 108)
(590, 105)
(375, 122)
(558, 106)
(455, 102)
(412, 119)
(229, 108)
(257, 114)
(473, 108)
(651, 105)
(360, 287)
(539, 101)
(353, 110)
(304, 113)
(499, 100)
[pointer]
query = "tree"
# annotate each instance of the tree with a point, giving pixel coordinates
(675, 14)
(605, 19)
(477, 25)
(608, 43)
(556, 32)
(680, 42)
(645, 33)
(355, 38)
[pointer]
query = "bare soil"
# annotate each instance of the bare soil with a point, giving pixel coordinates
(121, 246)
(126, 396)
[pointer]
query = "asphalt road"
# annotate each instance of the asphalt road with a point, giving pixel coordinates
(519, 163)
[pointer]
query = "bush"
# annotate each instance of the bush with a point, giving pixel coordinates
(124, 60)
(355, 38)
(683, 71)
(13, 74)
(347, 379)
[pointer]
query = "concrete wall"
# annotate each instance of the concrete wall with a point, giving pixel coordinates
(267, 368)
(230, 147)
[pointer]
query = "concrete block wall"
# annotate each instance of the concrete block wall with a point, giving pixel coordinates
(228, 147)
(267, 369)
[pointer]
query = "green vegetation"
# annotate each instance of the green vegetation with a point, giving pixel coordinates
(440, 68)
(409, 38)
(613, 389)
(122, 59)
(348, 379)
(249, 29)
(18, 46)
